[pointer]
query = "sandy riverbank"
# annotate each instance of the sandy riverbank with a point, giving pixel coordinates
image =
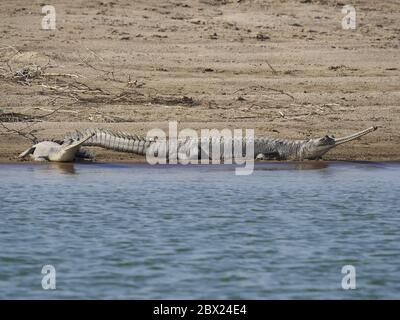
(285, 68)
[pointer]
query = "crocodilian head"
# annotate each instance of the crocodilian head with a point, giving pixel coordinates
(67, 152)
(315, 148)
(53, 151)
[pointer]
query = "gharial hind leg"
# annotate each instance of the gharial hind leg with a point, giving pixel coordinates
(269, 156)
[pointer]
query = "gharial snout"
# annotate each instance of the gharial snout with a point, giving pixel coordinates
(78, 143)
(67, 153)
(316, 148)
(356, 135)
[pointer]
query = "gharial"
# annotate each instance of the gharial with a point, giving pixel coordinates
(59, 151)
(264, 147)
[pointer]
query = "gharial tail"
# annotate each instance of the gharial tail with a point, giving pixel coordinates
(117, 141)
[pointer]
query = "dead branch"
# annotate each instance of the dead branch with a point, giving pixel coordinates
(271, 67)
(30, 135)
(264, 88)
(282, 92)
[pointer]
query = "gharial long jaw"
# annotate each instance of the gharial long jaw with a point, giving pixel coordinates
(315, 148)
(354, 136)
(68, 152)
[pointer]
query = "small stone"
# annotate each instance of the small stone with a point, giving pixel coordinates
(262, 37)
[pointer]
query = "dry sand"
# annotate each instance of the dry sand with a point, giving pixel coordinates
(285, 68)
